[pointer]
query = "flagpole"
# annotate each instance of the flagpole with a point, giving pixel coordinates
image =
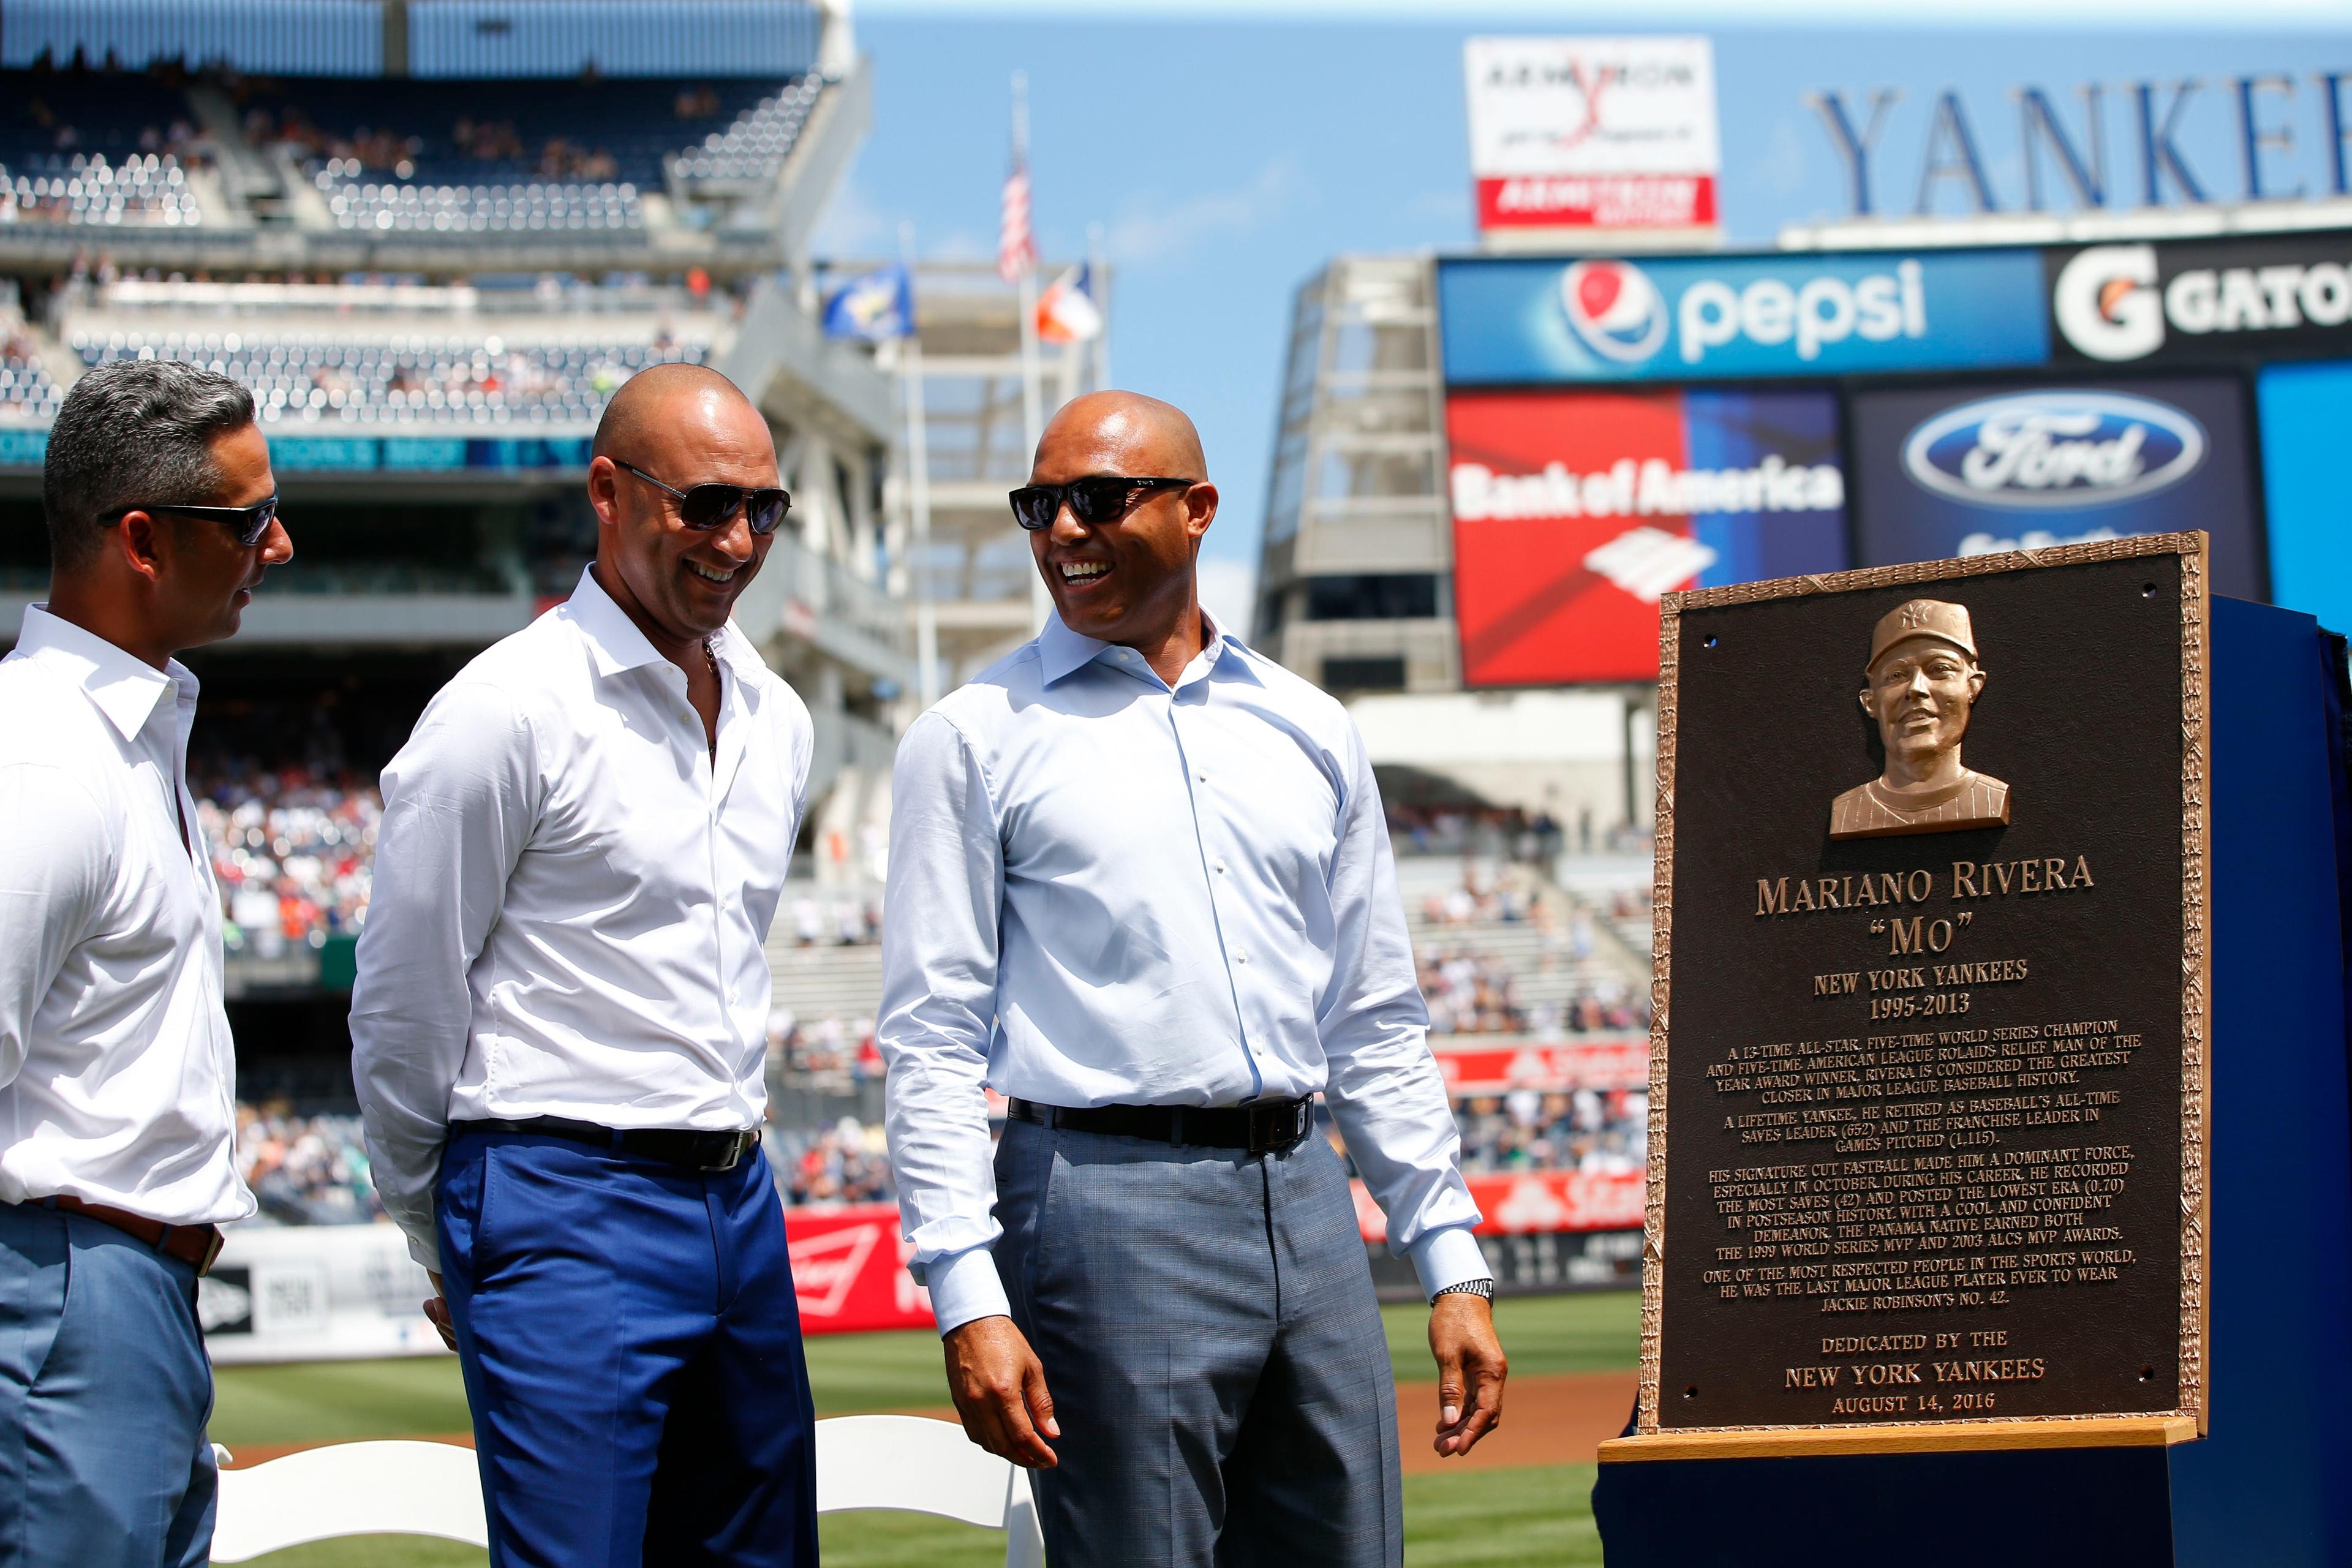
(1033, 416)
(1100, 270)
(918, 489)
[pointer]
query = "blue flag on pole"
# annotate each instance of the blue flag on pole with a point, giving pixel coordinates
(873, 305)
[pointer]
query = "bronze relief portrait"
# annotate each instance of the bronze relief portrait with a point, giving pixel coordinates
(1920, 685)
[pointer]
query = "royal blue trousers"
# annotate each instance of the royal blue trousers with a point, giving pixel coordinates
(104, 1393)
(632, 1352)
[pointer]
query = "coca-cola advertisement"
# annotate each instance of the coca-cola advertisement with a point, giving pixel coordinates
(1974, 471)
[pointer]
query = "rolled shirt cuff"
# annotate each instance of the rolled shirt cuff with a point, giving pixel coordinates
(964, 1286)
(1442, 1258)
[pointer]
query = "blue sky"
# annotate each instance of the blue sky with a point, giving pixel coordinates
(1227, 157)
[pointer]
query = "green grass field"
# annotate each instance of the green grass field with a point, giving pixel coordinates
(1486, 1519)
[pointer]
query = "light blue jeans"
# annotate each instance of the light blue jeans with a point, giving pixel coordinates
(104, 1393)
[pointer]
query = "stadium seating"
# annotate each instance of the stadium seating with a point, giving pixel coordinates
(107, 149)
(574, 208)
(755, 146)
(87, 188)
(457, 158)
(429, 379)
(27, 391)
(411, 158)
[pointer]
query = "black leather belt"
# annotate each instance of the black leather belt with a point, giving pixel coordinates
(1263, 1127)
(672, 1146)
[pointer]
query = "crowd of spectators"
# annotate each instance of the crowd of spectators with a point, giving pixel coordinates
(846, 1162)
(1469, 994)
(1528, 1129)
(834, 923)
(1473, 830)
(832, 1046)
(293, 847)
(1484, 896)
(305, 1170)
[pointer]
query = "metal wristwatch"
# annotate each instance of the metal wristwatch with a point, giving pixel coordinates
(1484, 1287)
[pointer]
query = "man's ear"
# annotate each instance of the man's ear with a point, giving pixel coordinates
(1200, 508)
(1864, 697)
(604, 488)
(1975, 683)
(139, 539)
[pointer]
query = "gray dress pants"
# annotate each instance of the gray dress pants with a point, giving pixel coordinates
(1210, 1336)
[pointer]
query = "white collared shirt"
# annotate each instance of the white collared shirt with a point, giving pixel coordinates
(1106, 890)
(119, 1075)
(572, 896)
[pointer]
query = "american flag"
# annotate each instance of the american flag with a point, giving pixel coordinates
(1016, 248)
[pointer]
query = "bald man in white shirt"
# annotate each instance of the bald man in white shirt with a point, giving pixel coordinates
(560, 1024)
(117, 1074)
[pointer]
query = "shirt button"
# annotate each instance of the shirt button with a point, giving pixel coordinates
(1203, 777)
(1241, 958)
(1220, 868)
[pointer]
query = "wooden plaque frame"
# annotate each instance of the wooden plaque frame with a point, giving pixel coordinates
(2188, 1420)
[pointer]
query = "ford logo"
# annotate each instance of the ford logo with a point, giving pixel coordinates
(2055, 450)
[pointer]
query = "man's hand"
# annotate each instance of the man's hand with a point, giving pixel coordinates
(1000, 1390)
(438, 1311)
(1469, 1362)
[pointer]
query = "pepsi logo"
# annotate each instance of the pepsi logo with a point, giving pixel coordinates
(2056, 449)
(1614, 310)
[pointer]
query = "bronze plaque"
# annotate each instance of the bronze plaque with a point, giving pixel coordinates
(1927, 1063)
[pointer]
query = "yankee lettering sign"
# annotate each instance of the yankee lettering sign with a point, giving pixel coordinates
(1928, 1068)
(2189, 141)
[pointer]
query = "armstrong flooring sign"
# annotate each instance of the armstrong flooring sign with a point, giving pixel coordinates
(1573, 512)
(2258, 297)
(1978, 470)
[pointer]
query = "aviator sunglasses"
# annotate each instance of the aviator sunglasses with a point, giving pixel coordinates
(1096, 500)
(247, 523)
(705, 506)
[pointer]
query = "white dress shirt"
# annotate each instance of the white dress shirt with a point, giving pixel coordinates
(1106, 890)
(572, 896)
(119, 1077)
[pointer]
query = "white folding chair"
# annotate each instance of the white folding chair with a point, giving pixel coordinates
(917, 1466)
(900, 1462)
(349, 1488)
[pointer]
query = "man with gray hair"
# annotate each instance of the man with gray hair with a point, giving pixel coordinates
(117, 1077)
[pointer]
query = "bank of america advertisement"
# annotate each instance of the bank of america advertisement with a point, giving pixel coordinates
(1573, 512)
(1507, 321)
(1975, 470)
(1593, 132)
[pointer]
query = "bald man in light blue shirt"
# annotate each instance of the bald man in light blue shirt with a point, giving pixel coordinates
(1142, 885)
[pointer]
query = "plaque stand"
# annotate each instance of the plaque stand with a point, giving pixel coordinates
(2267, 1483)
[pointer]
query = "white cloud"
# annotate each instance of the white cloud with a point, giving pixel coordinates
(1229, 591)
(854, 228)
(1151, 227)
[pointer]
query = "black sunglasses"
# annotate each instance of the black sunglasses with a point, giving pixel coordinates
(248, 523)
(705, 506)
(1096, 500)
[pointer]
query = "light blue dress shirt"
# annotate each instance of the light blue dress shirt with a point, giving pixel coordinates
(1106, 890)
